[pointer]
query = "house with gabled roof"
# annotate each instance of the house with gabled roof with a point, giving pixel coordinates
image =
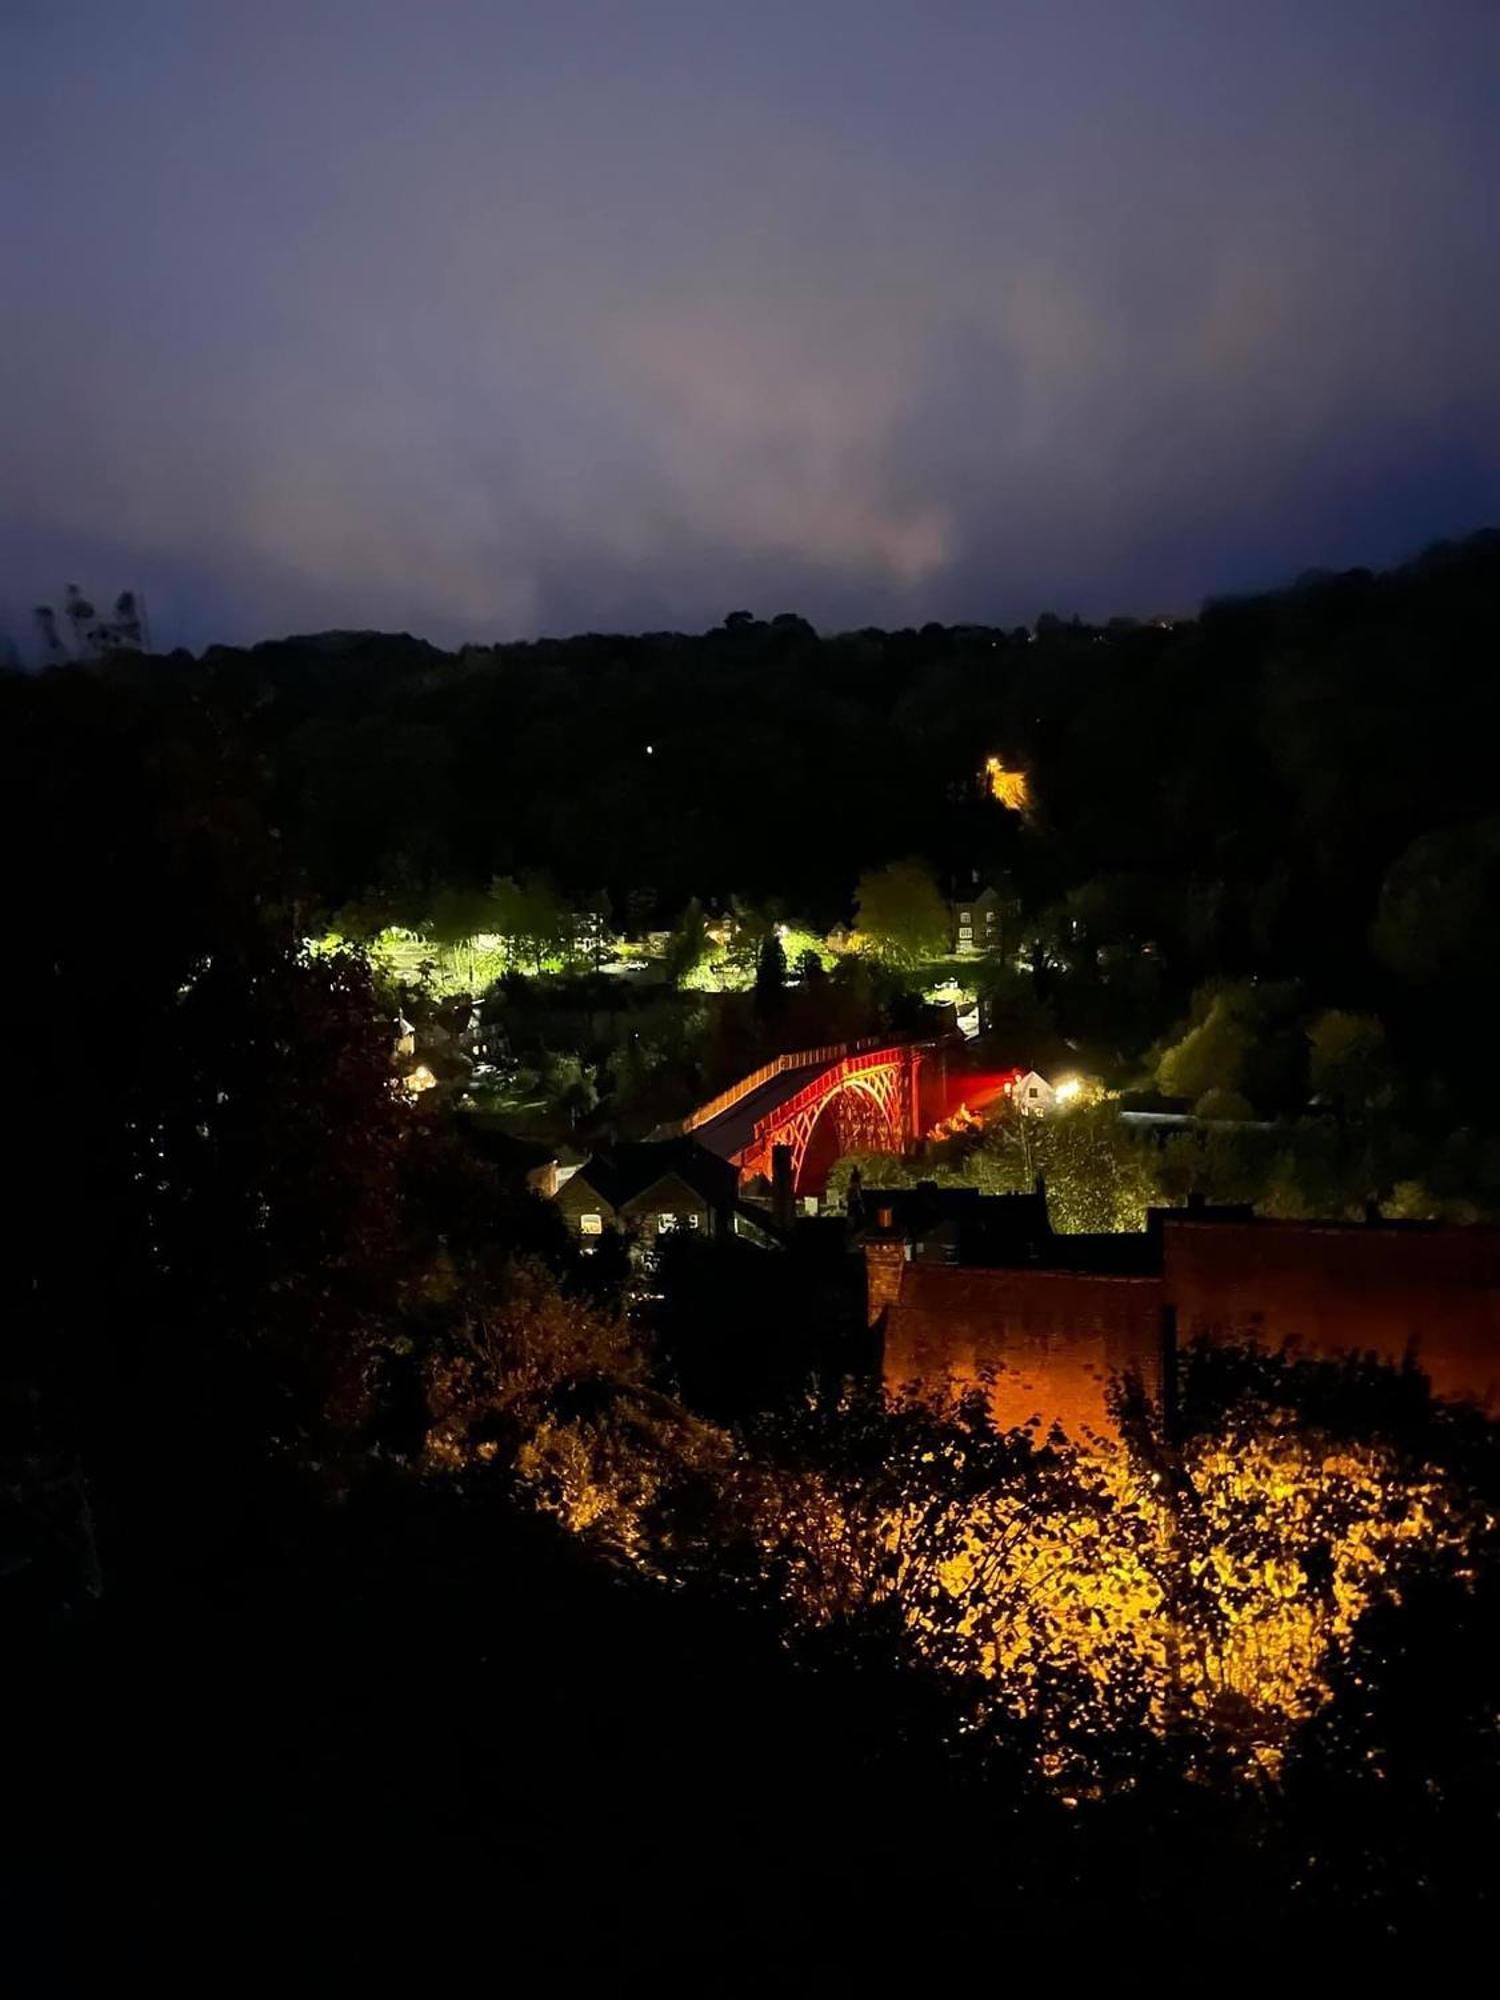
(651, 1189)
(977, 922)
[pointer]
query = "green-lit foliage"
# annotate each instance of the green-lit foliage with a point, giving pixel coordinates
(901, 915)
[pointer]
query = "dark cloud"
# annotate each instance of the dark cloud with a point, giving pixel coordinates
(480, 319)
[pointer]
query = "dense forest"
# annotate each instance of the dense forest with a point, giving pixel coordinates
(1270, 823)
(1264, 769)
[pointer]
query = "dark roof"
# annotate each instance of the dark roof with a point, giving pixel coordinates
(513, 1156)
(625, 1171)
(986, 1228)
(1009, 1231)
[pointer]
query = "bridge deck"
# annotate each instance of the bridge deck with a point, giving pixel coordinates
(733, 1129)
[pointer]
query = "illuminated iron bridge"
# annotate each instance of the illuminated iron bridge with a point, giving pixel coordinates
(878, 1097)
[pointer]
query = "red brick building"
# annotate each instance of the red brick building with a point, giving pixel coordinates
(1055, 1326)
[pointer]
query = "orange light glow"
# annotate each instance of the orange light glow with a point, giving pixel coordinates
(1010, 788)
(961, 1120)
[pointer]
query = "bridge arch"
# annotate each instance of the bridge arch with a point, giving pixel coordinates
(860, 1114)
(855, 1096)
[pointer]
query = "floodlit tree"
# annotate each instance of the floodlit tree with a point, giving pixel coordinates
(1212, 1054)
(688, 945)
(1347, 1068)
(1098, 1174)
(531, 919)
(497, 1370)
(595, 927)
(459, 918)
(770, 978)
(571, 1085)
(898, 908)
(1008, 787)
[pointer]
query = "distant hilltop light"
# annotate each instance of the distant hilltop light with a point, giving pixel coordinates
(1009, 787)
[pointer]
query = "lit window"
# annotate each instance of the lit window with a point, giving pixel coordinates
(591, 1225)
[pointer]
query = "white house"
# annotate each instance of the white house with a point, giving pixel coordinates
(1032, 1092)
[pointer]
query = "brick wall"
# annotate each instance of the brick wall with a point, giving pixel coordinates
(1047, 1342)
(1042, 1344)
(1339, 1290)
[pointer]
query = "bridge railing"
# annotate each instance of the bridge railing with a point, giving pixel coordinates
(778, 1066)
(861, 1058)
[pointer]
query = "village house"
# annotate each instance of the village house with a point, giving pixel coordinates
(1030, 1091)
(649, 1190)
(977, 922)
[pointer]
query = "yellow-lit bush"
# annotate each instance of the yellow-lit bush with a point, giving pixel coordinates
(1090, 1590)
(1084, 1597)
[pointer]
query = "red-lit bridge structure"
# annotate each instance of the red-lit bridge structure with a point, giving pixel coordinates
(868, 1097)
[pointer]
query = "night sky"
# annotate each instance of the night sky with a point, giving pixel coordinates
(480, 319)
